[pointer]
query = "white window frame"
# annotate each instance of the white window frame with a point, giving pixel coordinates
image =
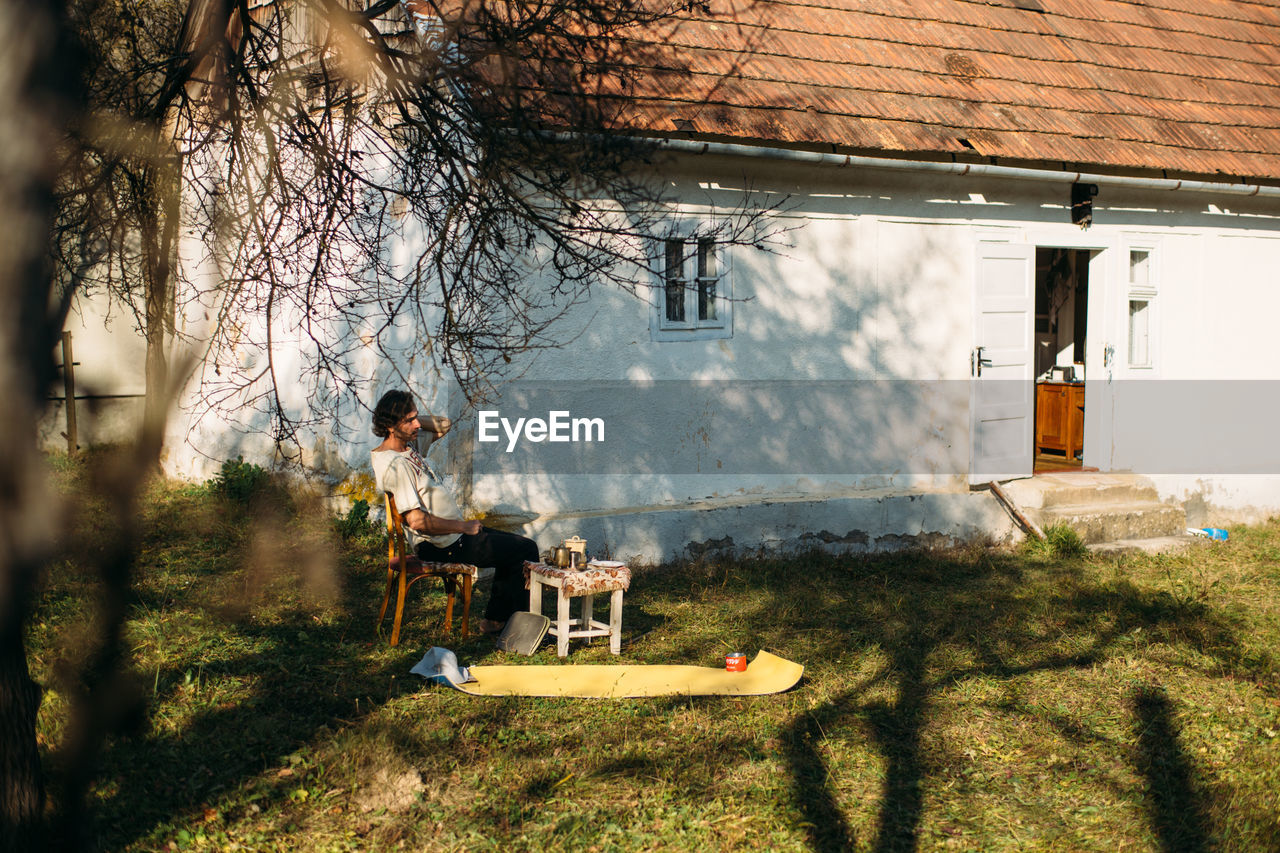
(692, 327)
(1147, 292)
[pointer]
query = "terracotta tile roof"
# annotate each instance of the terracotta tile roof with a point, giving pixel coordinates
(1179, 86)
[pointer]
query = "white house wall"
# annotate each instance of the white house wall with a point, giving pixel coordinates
(200, 437)
(110, 380)
(874, 303)
(875, 283)
(869, 292)
(845, 299)
(1205, 434)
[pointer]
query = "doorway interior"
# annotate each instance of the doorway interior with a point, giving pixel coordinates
(1061, 313)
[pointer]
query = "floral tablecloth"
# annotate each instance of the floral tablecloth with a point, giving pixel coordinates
(586, 581)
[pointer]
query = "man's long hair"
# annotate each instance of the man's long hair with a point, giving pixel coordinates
(394, 407)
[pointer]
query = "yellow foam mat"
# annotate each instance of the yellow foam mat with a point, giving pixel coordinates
(766, 674)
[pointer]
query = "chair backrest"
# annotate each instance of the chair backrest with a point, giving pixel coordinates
(396, 546)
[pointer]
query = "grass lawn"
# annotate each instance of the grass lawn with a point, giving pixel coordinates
(977, 699)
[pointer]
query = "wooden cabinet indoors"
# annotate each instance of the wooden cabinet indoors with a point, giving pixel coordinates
(1060, 417)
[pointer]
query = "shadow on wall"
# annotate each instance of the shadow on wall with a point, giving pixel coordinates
(99, 420)
(847, 369)
(846, 372)
(220, 420)
(845, 300)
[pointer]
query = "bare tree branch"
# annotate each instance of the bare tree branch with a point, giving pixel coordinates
(316, 137)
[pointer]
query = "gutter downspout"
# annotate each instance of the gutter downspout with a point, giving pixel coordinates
(727, 149)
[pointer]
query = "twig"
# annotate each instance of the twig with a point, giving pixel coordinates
(1028, 526)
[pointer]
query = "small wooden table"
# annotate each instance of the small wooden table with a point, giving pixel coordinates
(584, 584)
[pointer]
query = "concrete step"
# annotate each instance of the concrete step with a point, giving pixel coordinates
(1154, 545)
(1108, 522)
(1079, 489)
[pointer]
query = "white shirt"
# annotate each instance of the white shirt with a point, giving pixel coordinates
(413, 484)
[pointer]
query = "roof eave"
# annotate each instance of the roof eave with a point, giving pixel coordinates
(975, 165)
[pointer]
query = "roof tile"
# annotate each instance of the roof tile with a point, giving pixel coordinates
(1188, 86)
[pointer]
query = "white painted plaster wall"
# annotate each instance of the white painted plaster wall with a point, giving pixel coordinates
(845, 297)
(199, 437)
(875, 282)
(872, 281)
(109, 375)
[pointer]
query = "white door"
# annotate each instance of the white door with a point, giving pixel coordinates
(1001, 363)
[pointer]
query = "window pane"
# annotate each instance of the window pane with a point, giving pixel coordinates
(706, 280)
(674, 295)
(1139, 268)
(674, 268)
(706, 259)
(1139, 332)
(706, 299)
(675, 301)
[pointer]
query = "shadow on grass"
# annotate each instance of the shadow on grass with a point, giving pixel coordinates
(934, 620)
(159, 776)
(310, 677)
(824, 821)
(1176, 810)
(911, 607)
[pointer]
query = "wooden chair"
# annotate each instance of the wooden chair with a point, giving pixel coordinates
(404, 569)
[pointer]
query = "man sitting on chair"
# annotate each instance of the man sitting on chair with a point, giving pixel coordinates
(433, 525)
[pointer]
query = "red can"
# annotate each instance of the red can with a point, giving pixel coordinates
(735, 662)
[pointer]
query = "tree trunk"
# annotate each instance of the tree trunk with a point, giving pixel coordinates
(159, 243)
(21, 782)
(157, 360)
(37, 72)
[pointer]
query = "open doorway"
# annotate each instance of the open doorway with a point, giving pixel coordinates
(1062, 300)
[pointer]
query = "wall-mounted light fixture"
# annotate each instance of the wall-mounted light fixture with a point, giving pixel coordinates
(1082, 204)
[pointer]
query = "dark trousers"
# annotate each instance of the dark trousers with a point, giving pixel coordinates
(505, 552)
